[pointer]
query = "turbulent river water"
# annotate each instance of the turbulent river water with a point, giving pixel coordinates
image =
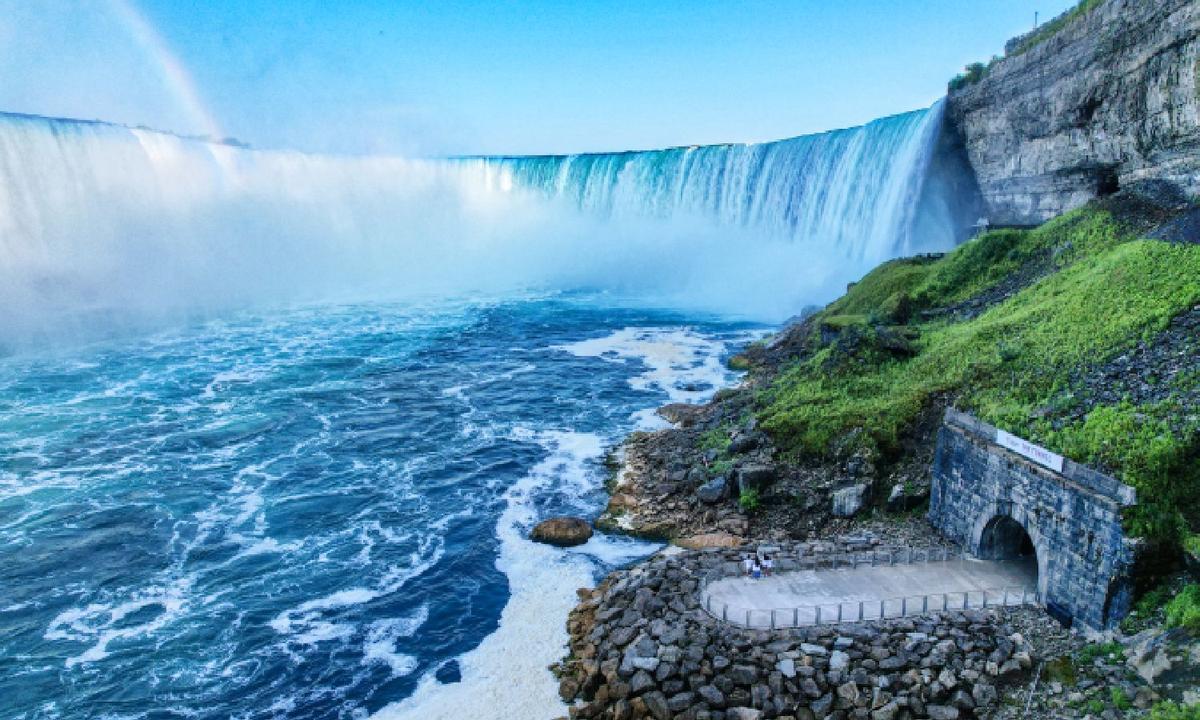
(255, 459)
(320, 512)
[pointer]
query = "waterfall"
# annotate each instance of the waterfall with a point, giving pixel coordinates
(856, 190)
(105, 228)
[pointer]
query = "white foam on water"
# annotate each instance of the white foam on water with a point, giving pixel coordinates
(680, 362)
(308, 624)
(507, 675)
(100, 623)
(380, 645)
(508, 672)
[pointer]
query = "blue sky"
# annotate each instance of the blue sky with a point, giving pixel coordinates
(523, 76)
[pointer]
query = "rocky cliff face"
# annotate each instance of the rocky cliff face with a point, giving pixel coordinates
(1110, 99)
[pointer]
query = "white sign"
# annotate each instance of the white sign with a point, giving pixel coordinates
(1035, 453)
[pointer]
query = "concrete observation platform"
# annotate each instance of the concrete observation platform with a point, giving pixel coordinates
(824, 596)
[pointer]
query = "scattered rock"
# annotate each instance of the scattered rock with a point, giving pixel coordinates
(848, 501)
(713, 491)
(562, 531)
(755, 477)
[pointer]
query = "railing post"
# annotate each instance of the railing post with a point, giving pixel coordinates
(795, 617)
(903, 606)
(966, 599)
(818, 620)
(839, 612)
(881, 611)
(1006, 597)
(985, 598)
(860, 609)
(925, 604)
(725, 612)
(945, 602)
(772, 619)
(747, 618)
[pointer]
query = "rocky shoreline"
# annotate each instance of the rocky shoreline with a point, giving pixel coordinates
(689, 484)
(641, 646)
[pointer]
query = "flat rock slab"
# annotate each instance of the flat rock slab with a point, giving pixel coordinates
(882, 590)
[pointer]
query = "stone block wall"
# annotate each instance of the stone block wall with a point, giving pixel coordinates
(1083, 558)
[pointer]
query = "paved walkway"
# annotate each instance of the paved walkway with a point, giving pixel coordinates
(888, 591)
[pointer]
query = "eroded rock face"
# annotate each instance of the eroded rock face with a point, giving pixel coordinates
(1111, 99)
(562, 531)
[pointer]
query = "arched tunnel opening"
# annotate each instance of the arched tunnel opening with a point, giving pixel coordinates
(1006, 540)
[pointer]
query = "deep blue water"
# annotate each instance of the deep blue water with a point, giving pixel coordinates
(307, 514)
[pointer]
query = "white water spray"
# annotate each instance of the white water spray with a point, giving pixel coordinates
(107, 229)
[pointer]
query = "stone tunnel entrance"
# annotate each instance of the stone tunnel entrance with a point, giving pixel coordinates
(1004, 498)
(1004, 539)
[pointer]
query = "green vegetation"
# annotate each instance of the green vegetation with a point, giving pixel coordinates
(1184, 609)
(1050, 29)
(888, 285)
(1101, 290)
(1168, 710)
(1118, 699)
(1146, 611)
(971, 74)
(718, 439)
(738, 362)
(1113, 652)
(975, 72)
(748, 500)
(1061, 670)
(720, 467)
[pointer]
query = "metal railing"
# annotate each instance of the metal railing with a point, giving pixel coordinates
(861, 610)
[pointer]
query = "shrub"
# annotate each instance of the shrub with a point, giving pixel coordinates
(1119, 699)
(1184, 609)
(720, 467)
(1112, 651)
(718, 439)
(1168, 710)
(748, 500)
(972, 74)
(738, 362)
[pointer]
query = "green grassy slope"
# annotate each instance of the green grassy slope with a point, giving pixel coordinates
(1049, 303)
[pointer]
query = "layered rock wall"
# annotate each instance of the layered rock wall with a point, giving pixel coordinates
(1110, 99)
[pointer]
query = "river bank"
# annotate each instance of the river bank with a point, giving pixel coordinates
(828, 440)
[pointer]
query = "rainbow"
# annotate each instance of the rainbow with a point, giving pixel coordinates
(173, 74)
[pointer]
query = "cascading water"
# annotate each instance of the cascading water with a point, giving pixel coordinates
(854, 191)
(103, 227)
(310, 497)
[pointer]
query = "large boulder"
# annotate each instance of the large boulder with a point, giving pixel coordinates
(709, 540)
(848, 501)
(754, 477)
(713, 491)
(562, 531)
